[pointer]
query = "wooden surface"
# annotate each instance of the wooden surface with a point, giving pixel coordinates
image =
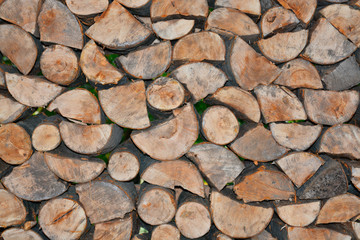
(251, 7)
(11, 109)
(173, 29)
(12, 209)
(277, 19)
(46, 137)
(298, 214)
(303, 9)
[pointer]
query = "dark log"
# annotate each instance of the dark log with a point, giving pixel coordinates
(46, 137)
(11, 110)
(18, 233)
(251, 7)
(86, 10)
(173, 29)
(303, 9)
(5, 168)
(141, 237)
(165, 232)
(12, 210)
(355, 174)
(299, 233)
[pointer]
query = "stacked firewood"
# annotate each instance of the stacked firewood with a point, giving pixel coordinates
(179, 119)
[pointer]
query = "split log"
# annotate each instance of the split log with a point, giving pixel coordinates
(149, 62)
(257, 144)
(303, 9)
(52, 29)
(219, 125)
(231, 22)
(11, 110)
(12, 210)
(46, 137)
(200, 46)
(18, 233)
(236, 219)
(78, 104)
(96, 67)
(165, 94)
(32, 91)
(250, 68)
(330, 107)
(251, 7)
(92, 139)
(33, 180)
(327, 45)
(62, 218)
(173, 29)
(329, 181)
(278, 19)
(264, 235)
(200, 78)
(284, 47)
(60, 64)
(355, 175)
(18, 46)
(215, 234)
(15, 144)
(170, 139)
(264, 184)
(156, 205)
(299, 233)
(341, 208)
(117, 29)
(131, 99)
(300, 166)
(86, 10)
(356, 228)
(243, 103)
(299, 73)
(298, 214)
(165, 232)
(218, 164)
(279, 104)
(134, 4)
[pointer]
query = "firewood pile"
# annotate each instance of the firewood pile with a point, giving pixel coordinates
(179, 119)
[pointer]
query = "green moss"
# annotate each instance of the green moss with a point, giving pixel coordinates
(40, 74)
(165, 74)
(6, 61)
(199, 140)
(295, 121)
(201, 106)
(126, 134)
(38, 111)
(151, 117)
(143, 230)
(211, 9)
(90, 88)
(111, 58)
(104, 157)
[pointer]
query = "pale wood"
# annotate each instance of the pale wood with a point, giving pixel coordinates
(356, 228)
(87, 7)
(264, 235)
(355, 175)
(11, 110)
(18, 233)
(252, 7)
(134, 4)
(162, 9)
(299, 233)
(123, 165)
(298, 214)
(46, 137)
(173, 29)
(165, 232)
(303, 9)
(277, 19)
(12, 209)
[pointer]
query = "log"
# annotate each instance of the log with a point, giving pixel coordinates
(52, 29)
(250, 69)
(165, 232)
(215, 234)
(62, 218)
(219, 125)
(231, 22)
(264, 235)
(86, 10)
(91, 139)
(356, 228)
(257, 144)
(200, 46)
(149, 62)
(165, 94)
(330, 107)
(18, 46)
(33, 180)
(18, 233)
(238, 220)
(299, 233)
(241, 102)
(131, 99)
(117, 29)
(355, 175)
(200, 78)
(327, 45)
(277, 19)
(283, 47)
(299, 73)
(77, 104)
(303, 9)
(12, 210)
(279, 104)
(251, 7)
(134, 4)
(170, 139)
(173, 29)
(11, 110)
(96, 67)
(46, 137)
(60, 64)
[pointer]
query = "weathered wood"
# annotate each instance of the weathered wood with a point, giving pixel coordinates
(215, 234)
(251, 7)
(134, 4)
(12, 210)
(87, 8)
(165, 232)
(264, 235)
(330, 107)
(277, 19)
(52, 29)
(96, 67)
(18, 46)
(18, 233)
(131, 99)
(46, 137)
(170, 139)
(327, 45)
(356, 228)
(299, 233)
(303, 9)
(250, 69)
(173, 29)
(149, 62)
(355, 174)
(11, 110)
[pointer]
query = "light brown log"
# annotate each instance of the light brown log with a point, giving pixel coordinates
(355, 175)
(123, 166)
(327, 45)
(200, 78)
(299, 233)
(264, 184)
(18, 46)
(298, 214)
(299, 73)
(330, 107)
(46, 137)
(148, 62)
(32, 91)
(131, 99)
(87, 8)
(62, 218)
(165, 232)
(52, 29)
(252, 7)
(243, 103)
(200, 46)
(173, 29)
(133, 4)
(33, 180)
(284, 47)
(90, 139)
(12, 209)
(60, 64)
(236, 219)
(303, 9)
(219, 125)
(356, 228)
(250, 69)
(117, 29)
(77, 104)
(277, 19)
(264, 235)
(11, 110)
(231, 22)
(96, 67)
(18, 233)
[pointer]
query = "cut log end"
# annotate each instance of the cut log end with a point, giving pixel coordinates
(46, 137)
(165, 232)
(123, 166)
